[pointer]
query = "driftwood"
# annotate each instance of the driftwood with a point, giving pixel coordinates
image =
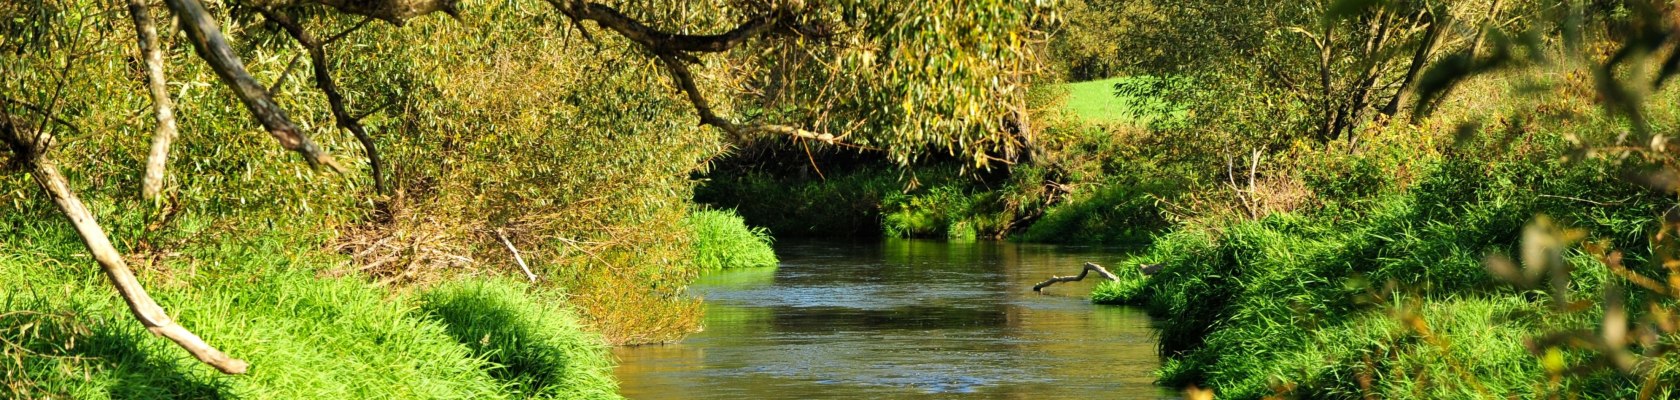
(1082, 272)
(29, 152)
(1150, 269)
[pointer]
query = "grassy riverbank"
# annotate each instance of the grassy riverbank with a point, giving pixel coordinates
(328, 287)
(1375, 272)
(307, 332)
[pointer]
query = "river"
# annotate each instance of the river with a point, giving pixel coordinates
(903, 319)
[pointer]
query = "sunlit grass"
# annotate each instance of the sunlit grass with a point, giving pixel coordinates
(1094, 101)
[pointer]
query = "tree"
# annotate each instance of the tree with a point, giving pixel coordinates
(903, 78)
(1305, 69)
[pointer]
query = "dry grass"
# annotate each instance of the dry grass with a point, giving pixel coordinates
(407, 246)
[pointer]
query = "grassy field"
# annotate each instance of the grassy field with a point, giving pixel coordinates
(1094, 101)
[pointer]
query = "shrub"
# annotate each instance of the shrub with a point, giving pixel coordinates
(722, 240)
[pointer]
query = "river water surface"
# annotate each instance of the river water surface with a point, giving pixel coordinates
(903, 319)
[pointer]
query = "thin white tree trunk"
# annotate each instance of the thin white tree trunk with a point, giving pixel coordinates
(162, 105)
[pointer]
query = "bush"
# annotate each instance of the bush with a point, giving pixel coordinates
(1114, 214)
(722, 240)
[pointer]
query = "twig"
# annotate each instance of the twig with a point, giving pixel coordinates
(516, 257)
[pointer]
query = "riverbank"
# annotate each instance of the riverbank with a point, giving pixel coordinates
(1356, 268)
(1428, 263)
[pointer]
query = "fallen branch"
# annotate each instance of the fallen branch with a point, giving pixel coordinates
(516, 257)
(1088, 268)
(145, 309)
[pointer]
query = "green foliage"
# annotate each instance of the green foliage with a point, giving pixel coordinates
(1112, 214)
(912, 78)
(253, 295)
(536, 345)
(1304, 302)
(722, 240)
(1086, 44)
(936, 212)
(845, 204)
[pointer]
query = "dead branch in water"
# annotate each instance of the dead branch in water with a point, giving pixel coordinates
(1082, 272)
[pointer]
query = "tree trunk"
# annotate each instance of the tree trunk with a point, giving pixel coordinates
(162, 105)
(1420, 58)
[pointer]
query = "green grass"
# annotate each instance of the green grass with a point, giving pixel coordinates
(722, 240)
(1094, 101)
(537, 346)
(1322, 304)
(261, 297)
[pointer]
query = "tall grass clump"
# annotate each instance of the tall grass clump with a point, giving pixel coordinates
(722, 240)
(536, 345)
(67, 336)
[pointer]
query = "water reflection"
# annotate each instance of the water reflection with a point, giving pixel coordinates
(902, 319)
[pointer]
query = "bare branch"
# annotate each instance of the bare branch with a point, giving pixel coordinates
(516, 257)
(32, 154)
(207, 38)
(1089, 267)
(335, 99)
(396, 12)
(661, 42)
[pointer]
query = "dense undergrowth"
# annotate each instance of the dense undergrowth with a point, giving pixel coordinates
(1365, 273)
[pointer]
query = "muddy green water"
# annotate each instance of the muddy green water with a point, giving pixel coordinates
(903, 319)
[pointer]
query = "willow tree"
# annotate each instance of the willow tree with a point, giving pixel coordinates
(903, 78)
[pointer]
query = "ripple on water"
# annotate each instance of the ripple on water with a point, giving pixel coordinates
(902, 320)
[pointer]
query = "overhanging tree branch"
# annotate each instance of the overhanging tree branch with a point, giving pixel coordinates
(212, 46)
(673, 50)
(324, 81)
(661, 42)
(397, 12)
